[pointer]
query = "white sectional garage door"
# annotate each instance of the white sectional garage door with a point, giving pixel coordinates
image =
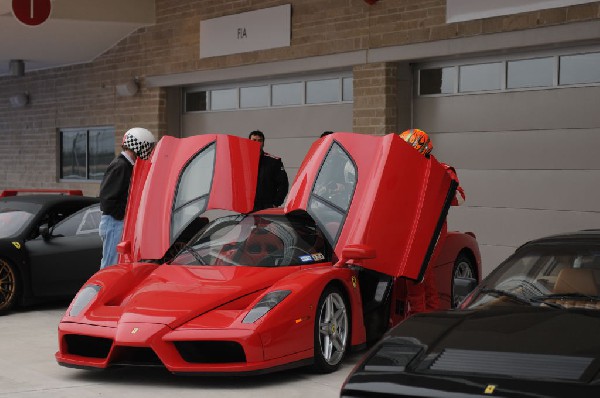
(527, 157)
(316, 104)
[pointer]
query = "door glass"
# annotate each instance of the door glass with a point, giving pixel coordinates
(287, 94)
(192, 190)
(480, 77)
(322, 91)
(530, 73)
(580, 68)
(333, 192)
(437, 81)
(85, 221)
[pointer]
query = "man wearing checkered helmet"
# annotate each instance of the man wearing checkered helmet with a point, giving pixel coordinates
(114, 190)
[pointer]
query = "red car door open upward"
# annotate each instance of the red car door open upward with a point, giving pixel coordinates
(183, 178)
(378, 192)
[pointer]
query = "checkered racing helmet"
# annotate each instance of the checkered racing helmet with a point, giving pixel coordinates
(140, 141)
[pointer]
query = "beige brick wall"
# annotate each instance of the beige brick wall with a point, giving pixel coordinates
(375, 104)
(84, 95)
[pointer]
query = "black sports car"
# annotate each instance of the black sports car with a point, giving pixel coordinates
(530, 329)
(49, 246)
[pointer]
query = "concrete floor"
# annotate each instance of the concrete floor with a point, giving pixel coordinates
(28, 341)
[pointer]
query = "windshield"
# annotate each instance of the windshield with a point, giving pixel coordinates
(558, 275)
(14, 216)
(257, 240)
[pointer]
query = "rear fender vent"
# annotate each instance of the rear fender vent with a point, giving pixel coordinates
(87, 346)
(512, 364)
(210, 351)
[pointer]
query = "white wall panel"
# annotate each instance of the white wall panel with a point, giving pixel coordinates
(501, 230)
(289, 131)
(561, 190)
(561, 108)
(562, 149)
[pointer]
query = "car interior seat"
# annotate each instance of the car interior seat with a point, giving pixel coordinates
(578, 280)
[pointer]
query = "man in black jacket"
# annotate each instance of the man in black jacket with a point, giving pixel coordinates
(272, 185)
(114, 190)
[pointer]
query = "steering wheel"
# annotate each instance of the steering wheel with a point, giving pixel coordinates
(272, 260)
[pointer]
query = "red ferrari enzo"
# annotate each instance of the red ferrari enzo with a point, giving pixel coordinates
(207, 286)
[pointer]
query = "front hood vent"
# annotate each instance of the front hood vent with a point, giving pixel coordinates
(529, 366)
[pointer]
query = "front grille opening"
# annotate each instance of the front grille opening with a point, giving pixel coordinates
(211, 351)
(139, 356)
(87, 346)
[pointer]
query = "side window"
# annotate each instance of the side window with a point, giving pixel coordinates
(83, 222)
(192, 190)
(333, 191)
(58, 213)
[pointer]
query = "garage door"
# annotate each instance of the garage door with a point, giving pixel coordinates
(523, 133)
(291, 112)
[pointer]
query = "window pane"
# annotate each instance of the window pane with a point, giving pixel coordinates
(73, 154)
(348, 89)
(328, 217)
(254, 97)
(530, 73)
(223, 99)
(579, 69)
(195, 101)
(102, 151)
(481, 77)
(320, 91)
(337, 178)
(287, 94)
(83, 222)
(192, 190)
(91, 221)
(437, 81)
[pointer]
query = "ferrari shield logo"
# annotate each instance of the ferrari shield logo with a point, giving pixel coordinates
(489, 389)
(354, 281)
(17, 245)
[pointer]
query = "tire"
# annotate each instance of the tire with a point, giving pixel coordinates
(10, 287)
(332, 331)
(464, 267)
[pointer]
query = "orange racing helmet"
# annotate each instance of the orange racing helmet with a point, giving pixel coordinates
(418, 139)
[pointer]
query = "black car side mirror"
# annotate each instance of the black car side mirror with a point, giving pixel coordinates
(44, 231)
(464, 286)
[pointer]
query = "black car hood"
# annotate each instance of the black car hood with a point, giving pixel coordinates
(512, 351)
(521, 329)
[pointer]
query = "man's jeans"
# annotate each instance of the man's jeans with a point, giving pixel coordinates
(111, 231)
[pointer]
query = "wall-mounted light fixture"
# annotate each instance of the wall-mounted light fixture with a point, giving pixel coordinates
(16, 67)
(128, 89)
(19, 100)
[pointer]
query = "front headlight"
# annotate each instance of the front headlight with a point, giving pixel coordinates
(266, 304)
(84, 297)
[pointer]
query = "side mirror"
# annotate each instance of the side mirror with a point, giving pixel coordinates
(464, 286)
(44, 231)
(356, 252)
(124, 249)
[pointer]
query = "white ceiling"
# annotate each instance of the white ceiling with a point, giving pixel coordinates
(77, 31)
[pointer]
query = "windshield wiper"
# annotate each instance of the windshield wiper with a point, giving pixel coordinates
(504, 293)
(562, 296)
(194, 253)
(566, 296)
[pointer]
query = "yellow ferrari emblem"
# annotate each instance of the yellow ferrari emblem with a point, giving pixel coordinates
(489, 389)
(134, 330)
(17, 245)
(354, 283)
